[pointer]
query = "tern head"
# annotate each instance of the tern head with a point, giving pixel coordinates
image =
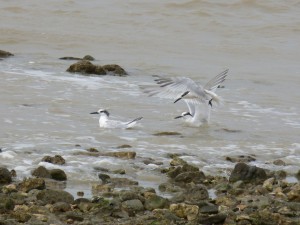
(183, 115)
(101, 112)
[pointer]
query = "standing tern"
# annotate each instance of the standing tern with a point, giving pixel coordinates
(105, 122)
(198, 99)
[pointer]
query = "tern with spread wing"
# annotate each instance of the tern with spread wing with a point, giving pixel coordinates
(198, 99)
(105, 122)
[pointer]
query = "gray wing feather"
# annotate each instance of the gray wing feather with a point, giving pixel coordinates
(213, 84)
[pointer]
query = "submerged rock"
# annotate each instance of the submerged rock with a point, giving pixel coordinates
(41, 171)
(57, 159)
(167, 133)
(114, 69)
(122, 155)
(86, 67)
(5, 176)
(87, 57)
(247, 173)
(240, 158)
(58, 174)
(5, 54)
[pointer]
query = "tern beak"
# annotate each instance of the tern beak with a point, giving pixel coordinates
(177, 99)
(177, 117)
(94, 113)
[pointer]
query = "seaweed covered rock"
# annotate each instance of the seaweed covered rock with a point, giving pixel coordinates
(53, 196)
(57, 159)
(5, 176)
(247, 173)
(114, 69)
(32, 183)
(87, 57)
(86, 67)
(5, 54)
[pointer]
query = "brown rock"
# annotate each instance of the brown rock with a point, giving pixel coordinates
(58, 174)
(41, 171)
(5, 54)
(247, 173)
(32, 183)
(57, 159)
(115, 69)
(5, 176)
(86, 67)
(123, 155)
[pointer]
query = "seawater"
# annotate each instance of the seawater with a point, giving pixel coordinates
(45, 110)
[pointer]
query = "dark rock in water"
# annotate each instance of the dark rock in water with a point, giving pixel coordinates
(53, 196)
(279, 162)
(58, 174)
(114, 69)
(13, 173)
(247, 173)
(104, 177)
(32, 183)
(240, 158)
(5, 54)
(57, 159)
(86, 67)
(87, 57)
(122, 182)
(41, 171)
(167, 133)
(187, 177)
(209, 209)
(122, 155)
(5, 176)
(124, 146)
(92, 150)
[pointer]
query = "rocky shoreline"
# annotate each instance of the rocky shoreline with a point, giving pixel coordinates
(251, 195)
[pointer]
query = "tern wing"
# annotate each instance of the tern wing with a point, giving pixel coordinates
(174, 87)
(191, 106)
(213, 84)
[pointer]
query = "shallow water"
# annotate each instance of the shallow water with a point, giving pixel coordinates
(45, 110)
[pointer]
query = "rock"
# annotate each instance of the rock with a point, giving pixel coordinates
(183, 210)
(101, 188)
(32, 183)
(6, 204)
(279, 162)
(92, 150)
(5, 176)
(176, 161)
(122, 182)
(167, 133)
(268, 184)
(294, 194)
(195, 194)
(115, 69)
(60, 207)
(124, 146)
(41, 171)
(21, 216)
(57, 159)
(127, 195)
(153, 201)
(240, 158)
(4, 54)
(122, 155)
(58, 174)
(9, 188)
(87, 57)
(247, 173)
(209, 209)
(212, 219)
(104, 177)
(73, 216)
(86, 67)
(168, 187)
(132, 206)
(119, 171)
(53, 196)
(187, 177)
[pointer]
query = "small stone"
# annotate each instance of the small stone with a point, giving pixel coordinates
(124, 146)
(132, 206)
(187, 177)
(88, 57)
(92, 150)
(167, 133)
(176, 161)
(209, 209)
(279, 162)
(80, 193)
(240, 158)
(122, 155)
(268, 184)
(100, 188)
(60, 207)
(183, 210)
(294, 194)
(86, 67)
(53, 196)
(153, 201)
(57, 159)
